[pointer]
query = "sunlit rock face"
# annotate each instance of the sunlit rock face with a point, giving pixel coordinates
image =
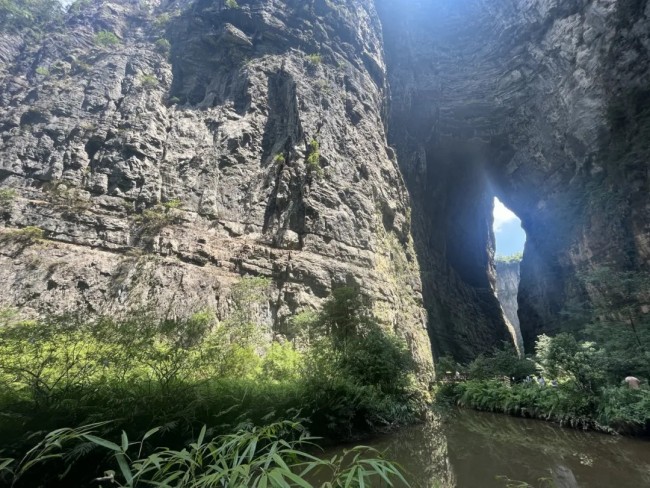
(225, 123)
(507, 288)
(543, 103)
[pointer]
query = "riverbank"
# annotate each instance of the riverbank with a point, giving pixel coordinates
(612, 409)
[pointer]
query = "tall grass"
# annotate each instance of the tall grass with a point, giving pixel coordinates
(271, 456)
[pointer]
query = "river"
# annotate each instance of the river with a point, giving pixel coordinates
(468, 449)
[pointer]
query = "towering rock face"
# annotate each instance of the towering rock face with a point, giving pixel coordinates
(507, 288)
(165, 149)
(542, 103)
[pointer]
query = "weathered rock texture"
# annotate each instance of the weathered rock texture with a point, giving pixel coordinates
(267, 122)
(544, 103)
(507, 288)
(95, 138)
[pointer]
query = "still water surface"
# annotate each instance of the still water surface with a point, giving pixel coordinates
(469, 449)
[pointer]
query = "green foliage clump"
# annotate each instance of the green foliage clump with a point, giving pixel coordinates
(314, 59)
(163, 46)
(313, 158)
(106, 39)
(232, 4)
(513, 258)
(149, 82)
(7, 197)
(583, 393)
(279, 158)
(26, 236)
(42, 71)
(503, 362)
(29, 14)
(153, 220)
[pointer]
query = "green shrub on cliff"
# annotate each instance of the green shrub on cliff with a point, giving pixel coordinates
(7, 197)
(106, 39)
(313, 158)
(513, 258)
(23, 14)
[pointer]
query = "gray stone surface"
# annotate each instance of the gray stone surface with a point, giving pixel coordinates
(223, 124)
(543, 103)
(507, 288)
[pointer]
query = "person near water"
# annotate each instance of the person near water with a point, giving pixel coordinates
(632, 382)
(541, 381)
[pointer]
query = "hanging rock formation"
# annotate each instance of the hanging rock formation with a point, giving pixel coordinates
(543, 103)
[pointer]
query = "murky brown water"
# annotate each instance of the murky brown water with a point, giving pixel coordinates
(469, 449)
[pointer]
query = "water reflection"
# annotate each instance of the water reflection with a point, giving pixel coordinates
(471, 449)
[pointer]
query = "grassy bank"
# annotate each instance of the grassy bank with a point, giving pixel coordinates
(614, 409)
(584, 383)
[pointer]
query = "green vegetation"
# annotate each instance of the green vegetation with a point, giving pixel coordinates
(42, 71)
(232, 4)
(163, 46)
(313, 159)
(314, 59)
(7, 197)
(27, 235)
(106, 39)
(513, 258)
(269, 456)
(588, 393)
(153, 220)
(26, 14)
(73, 200)
(149, 82)
(337, 370)
(279, 158)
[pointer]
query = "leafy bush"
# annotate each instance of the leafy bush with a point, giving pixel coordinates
(153, 220)
(7, 197)
(42, 71)
(182, 373)
(27, 235)
(149, 82)
(563, 357)
(313, 158)
(106, 39)
(163, 46)
(232, 4)
(35, 14)
(503, 362)
(314, 59)
(513, 258)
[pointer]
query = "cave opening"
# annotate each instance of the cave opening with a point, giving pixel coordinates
(510, 239)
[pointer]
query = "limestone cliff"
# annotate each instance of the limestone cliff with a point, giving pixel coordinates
(507, 288)
(166, 149)
(543, 103)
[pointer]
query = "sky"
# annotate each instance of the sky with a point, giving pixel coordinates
(509, 235)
